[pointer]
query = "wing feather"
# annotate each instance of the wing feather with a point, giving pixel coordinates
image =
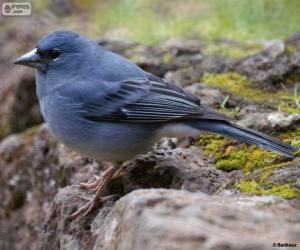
(149, 100)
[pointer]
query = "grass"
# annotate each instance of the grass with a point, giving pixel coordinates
(153, 21)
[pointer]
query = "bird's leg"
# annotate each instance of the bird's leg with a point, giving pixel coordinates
(100, 188)
(90, 185)
(118, 173)
(94, 185)
(98, 179)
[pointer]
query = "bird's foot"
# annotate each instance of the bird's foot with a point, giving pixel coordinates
(91, 185)
(99, 186)
(90, 205)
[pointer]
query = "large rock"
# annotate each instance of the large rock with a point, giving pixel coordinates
(168, 219)
(18, 102)
(274, 65)
(34, 166)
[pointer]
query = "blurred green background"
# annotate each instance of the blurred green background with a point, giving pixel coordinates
(154, 21)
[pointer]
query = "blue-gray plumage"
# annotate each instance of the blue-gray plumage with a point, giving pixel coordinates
(104, 106)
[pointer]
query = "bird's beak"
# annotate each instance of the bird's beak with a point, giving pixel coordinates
(30, 59)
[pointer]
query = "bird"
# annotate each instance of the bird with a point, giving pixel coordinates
(104, 106)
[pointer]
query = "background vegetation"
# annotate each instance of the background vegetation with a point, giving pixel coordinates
(154, 21)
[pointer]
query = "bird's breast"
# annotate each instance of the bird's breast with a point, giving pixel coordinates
(107, 141)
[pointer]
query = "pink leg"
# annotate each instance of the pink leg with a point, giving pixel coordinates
(100, 187)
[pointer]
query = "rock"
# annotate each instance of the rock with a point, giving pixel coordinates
(62, 7)
(18, 103)
(39, 175)
(271, 121)
(180, 168)
(194, 68)
(117, 46)
(294, 41)
(282, 120)
(291, 174)
(280, 174)
(169, 219)
(214, 97)
(183, 46)
(271, 67)
(34, 166)
(61, 233)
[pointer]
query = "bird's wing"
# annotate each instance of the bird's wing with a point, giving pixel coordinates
(148, 100)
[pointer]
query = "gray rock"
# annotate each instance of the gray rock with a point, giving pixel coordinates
(270, 67)
(270, 121)
(34, 166)
(18, 103)
(169, 219)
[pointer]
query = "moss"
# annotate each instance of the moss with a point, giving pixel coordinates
(211, 143)
(232, 50)
(29, 134)
(291, 103)
(229, 155)
(283, 190)
(5, 130)
(231, 161)
(166, 58)
(236, 84)
(258, 165)
(289, 107)
(292, 137)
(61, 178)
(290, 50)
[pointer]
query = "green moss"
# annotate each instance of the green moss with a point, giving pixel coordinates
(212, 144)
(29, 133)
(283, 190)
(229, 155)
(258, 165)
(232, 50)
(166, 58)
(290, 50)
(236, 84)
(289, 107)
(61, 178)
(5, 130)
(231, 161)
(292, 137)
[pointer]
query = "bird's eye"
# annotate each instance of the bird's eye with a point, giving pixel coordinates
(54, 54)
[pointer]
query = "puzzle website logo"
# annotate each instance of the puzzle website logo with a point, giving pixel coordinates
(16, 9)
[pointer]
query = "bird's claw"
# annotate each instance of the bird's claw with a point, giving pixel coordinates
(90, 205)
(91, 185)
(99, 186)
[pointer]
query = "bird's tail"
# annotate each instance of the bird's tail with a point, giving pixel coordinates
(246, 135)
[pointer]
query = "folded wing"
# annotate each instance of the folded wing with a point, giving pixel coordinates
(149, 100)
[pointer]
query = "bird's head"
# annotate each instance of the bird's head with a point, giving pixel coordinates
(57, 50)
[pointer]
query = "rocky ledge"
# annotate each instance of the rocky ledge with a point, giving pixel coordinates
(201, 193)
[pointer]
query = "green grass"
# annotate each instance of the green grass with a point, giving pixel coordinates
(153, 21)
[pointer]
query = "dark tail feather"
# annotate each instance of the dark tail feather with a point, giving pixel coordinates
(246, 135)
